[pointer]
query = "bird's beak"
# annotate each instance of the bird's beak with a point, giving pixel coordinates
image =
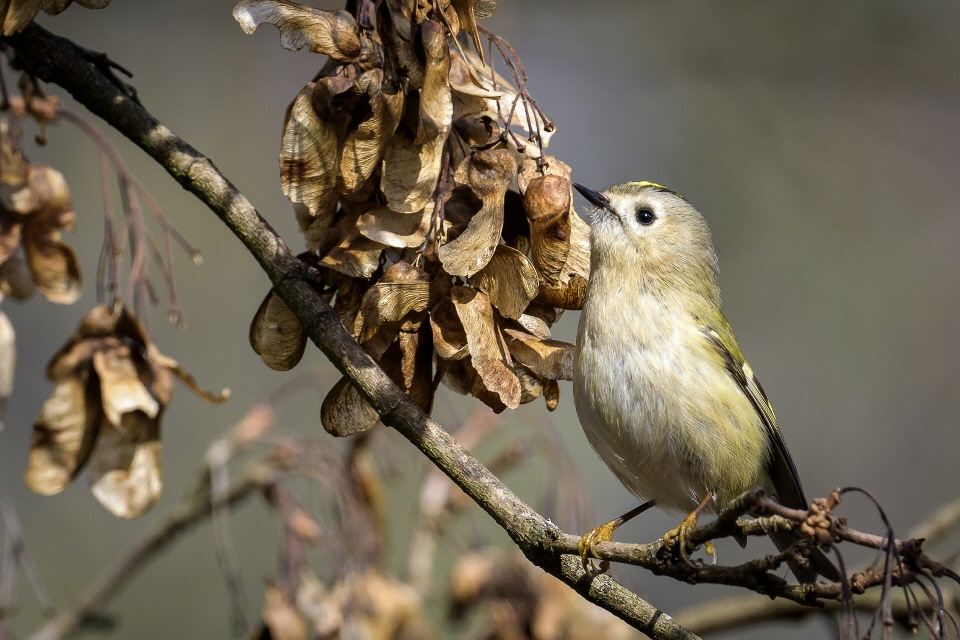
(595, 198)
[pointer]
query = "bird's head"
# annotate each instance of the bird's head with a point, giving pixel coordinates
(645, 232)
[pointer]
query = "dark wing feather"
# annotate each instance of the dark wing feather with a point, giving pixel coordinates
(782, 470)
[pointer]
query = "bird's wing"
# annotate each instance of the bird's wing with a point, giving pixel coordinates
(782, 470)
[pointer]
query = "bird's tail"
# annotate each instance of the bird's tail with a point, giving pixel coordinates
(820, 564)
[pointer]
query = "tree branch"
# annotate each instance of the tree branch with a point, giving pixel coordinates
(59, 61)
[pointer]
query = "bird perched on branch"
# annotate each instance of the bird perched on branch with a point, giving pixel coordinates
(663, 393)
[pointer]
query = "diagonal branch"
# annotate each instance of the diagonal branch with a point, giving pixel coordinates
(57, 60)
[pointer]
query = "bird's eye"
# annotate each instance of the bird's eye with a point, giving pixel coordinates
(645, 216)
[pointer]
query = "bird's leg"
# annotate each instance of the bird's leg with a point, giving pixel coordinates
(604, 533)
(683, 530)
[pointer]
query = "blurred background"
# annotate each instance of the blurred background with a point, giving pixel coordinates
(821, 141)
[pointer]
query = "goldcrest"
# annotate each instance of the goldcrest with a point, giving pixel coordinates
(661, 388)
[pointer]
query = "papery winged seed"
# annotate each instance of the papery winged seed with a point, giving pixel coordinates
(125, 466)
(276, 334)
(531, 387)
(400, 230)
(63, 435)
(16, 280)
(121, 389)
(280, 617)
(344, 412)
(551, 394)
(332, 33)
(551, 359)
(488, 173)
(570, 295)
(365, 144)
(354, 255)
(546, 201)
(411, 166)
(509, 280)
(486, 354)
(449, 337)
(391, 302)
(309, 157)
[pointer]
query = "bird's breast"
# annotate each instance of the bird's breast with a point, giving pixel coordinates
(657, 406)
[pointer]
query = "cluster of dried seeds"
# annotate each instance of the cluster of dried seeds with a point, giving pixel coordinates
(112, 385)
(400, 159)
(17, 14)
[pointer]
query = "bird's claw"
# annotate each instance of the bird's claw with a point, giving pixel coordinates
(587, 548)
(680, 537)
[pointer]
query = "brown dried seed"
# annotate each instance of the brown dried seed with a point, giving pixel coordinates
(309, 157)
(449, 337)
(487, 173)
(551, 359)
(276, 334)
(487, 355)
(546, 201)
(551, 394)
(365, 143)
(509, 280)
(400, 230)
(344, 412)
(565, 296)
(332, 33)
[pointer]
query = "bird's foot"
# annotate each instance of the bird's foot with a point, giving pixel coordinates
(587, 547)
(679, 536)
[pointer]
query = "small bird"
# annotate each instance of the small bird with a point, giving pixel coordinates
(663, 392)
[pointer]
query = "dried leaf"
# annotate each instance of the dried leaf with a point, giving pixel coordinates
(400, 230)
(366, 141)
(509, 280)
(551, 359)
(276, 334)
(309, 157)
(411, 166)
(487, 355)
(344, 411)
(488, 173)
(332, 33)
(449, 337)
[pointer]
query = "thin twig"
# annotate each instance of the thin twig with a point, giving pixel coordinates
(194, 508)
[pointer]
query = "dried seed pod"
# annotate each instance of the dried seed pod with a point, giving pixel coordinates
(400, 230)
(487, 354)
(112, 386)
(552, 359)
(531, 386)
(412, 161)
(546, 201)
(309, 157)
(276, 334)
(571, 295)
(509, 280)
(353, 254)
(449, 337)
(332, 33)
(487, 173)
(345, 412)
(551, 394)
(366, 141)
